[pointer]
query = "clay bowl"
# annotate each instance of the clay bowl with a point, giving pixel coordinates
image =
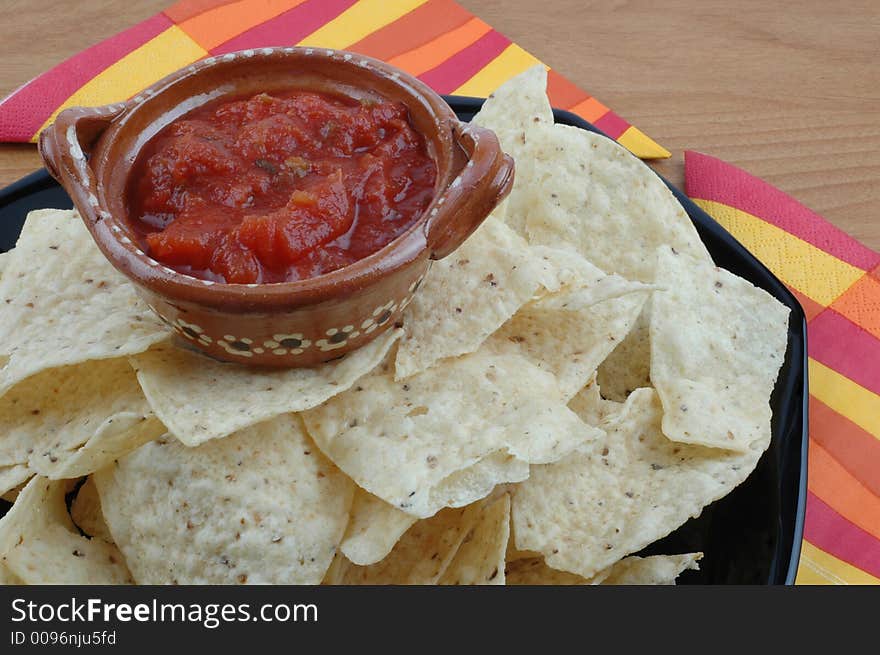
(91, 152)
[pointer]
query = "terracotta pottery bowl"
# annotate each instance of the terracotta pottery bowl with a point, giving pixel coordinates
(91, 152)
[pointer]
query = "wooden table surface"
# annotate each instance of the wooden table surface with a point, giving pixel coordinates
(789, 91)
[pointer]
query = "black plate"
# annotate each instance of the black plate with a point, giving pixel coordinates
(753, 535)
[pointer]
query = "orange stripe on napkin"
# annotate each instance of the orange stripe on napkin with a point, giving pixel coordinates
(415, 29)
(590, 110)
(433, 54)
(811, 307)
(288, 28)
(852, 446)
(359, 21)
(563, 93)
(843, 493)
(220, 24)
(464, 64)
(861, 304)
(186, 9)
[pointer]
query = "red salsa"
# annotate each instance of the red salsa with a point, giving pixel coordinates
(280, 187)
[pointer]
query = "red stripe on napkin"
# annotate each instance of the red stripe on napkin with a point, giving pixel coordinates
(829, 531)
(22, 114)
(287, 29)
(712, 179)
(461, 67)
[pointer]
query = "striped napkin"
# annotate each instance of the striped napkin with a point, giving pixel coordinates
(837, 281)
(436, 40)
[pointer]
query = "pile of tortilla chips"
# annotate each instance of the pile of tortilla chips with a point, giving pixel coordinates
(571, 385)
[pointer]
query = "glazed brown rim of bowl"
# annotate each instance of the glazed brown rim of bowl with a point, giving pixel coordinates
(473, 174)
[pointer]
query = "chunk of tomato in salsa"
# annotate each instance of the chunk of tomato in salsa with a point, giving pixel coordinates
(280, 187)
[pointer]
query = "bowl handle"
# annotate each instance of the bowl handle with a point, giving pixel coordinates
(483, 181)
(66, 147)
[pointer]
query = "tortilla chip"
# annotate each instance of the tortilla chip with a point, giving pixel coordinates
(467, 296)
(446, 437)
(199, 398)
(7, 577)
(511, 112)
(262, 506)
(12, 494)
(619, 493)
(569, 333)
(420, 557)
(41, 545)
(46, 419)
(591, 407)
(628, 366)
(12, 477)
(514, 554)
(480, 557)
(654, 570)
(717, 345)
(517, 104)
(117, 436)
(86, 514)
(65, 303)
(373, 528)
(593, 196)
(633, 570)
(533, 571)
(567, 270)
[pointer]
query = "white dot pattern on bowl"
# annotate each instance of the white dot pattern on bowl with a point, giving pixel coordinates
(290, 345)
(191, 331)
